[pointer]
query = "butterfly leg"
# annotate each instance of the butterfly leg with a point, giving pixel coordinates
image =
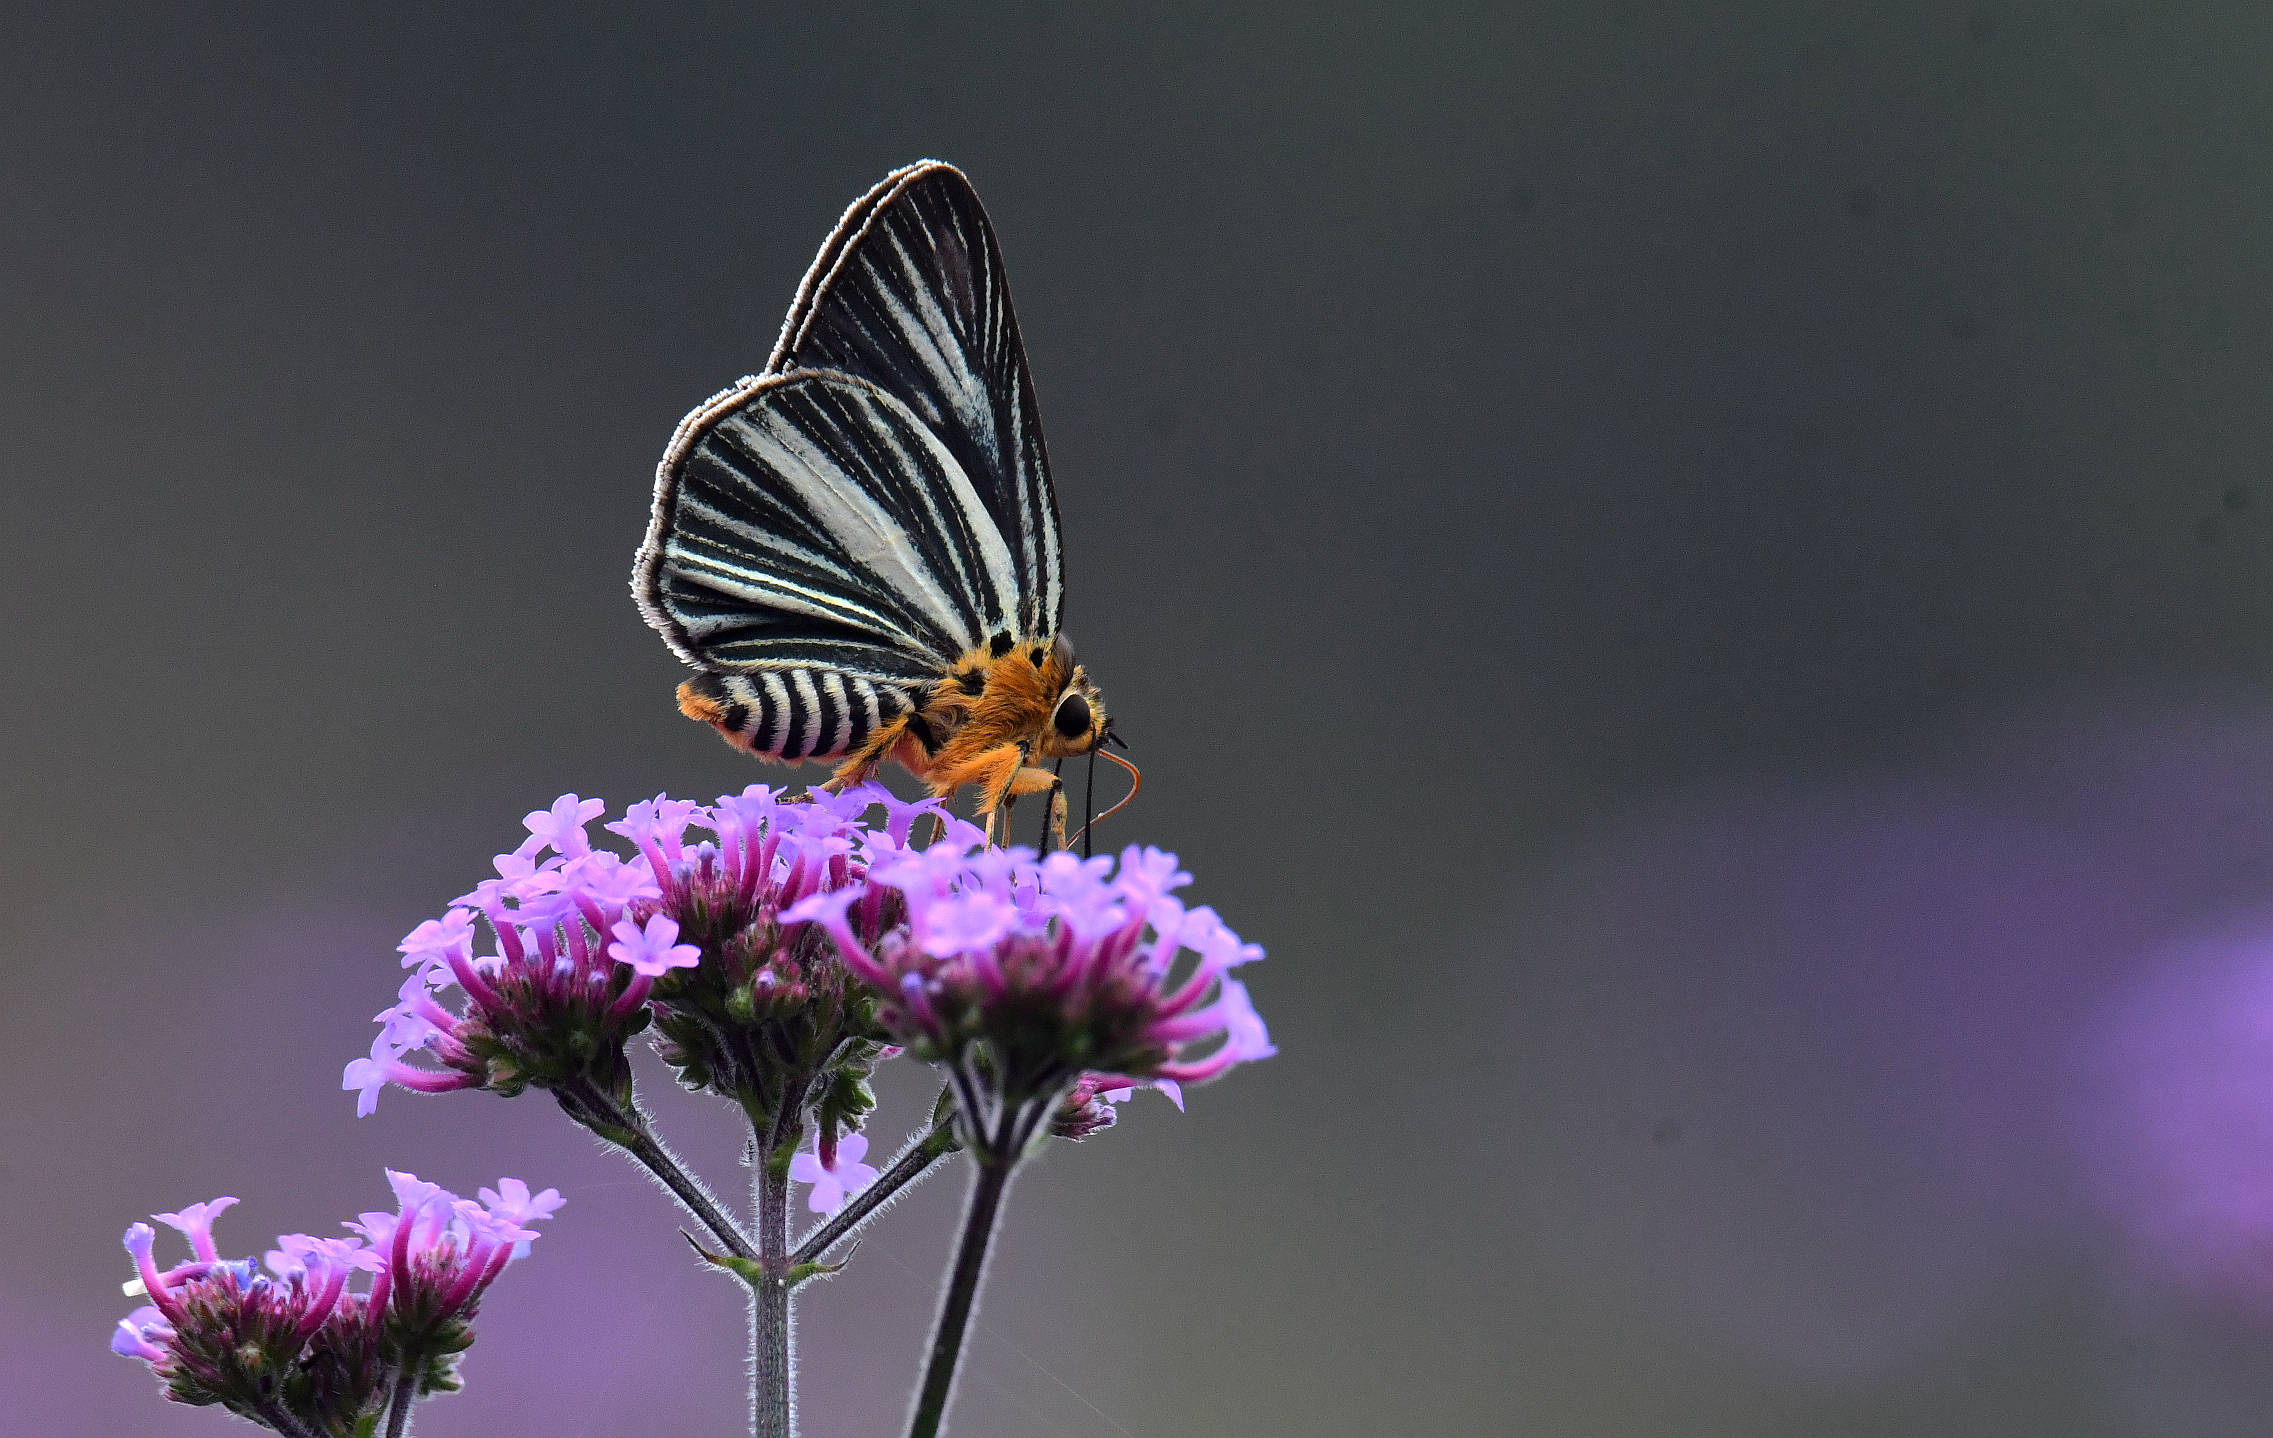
(1026, 780)
(1053, 822)
(1007, 797)
(1001, 775)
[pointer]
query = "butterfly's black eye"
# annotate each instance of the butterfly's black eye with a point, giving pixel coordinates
(1072, 718)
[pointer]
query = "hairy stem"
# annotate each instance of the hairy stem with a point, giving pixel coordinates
(774, 1140)
(280, 1418)
(770, 1375)
(625, 1126)
(913, 1163)
(400, 1402)
(988, 1183)
(691, 1194)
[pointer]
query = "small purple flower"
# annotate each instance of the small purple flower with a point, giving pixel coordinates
(658, 827)
(833, 1183)
(1086, 1109)
(973, 923)
(196, 1224)
(364, 1077)
(436, 937)
(300, 1252)
(143, 1334)
(655, 950)
(561, 828)
(512, 1202)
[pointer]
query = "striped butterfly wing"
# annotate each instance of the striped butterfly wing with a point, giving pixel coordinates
(823, 555)
(909, 292)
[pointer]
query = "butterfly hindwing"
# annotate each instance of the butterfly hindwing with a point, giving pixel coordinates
(810, 520)
(909, 293)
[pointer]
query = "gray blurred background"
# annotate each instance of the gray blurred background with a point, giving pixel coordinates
(1701, 576)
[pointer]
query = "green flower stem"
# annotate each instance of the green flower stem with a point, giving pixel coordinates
(280, 1418)
(988, 1185)
(914, 1161)
(772, 1374)
(402, 1400)
(995, 1155)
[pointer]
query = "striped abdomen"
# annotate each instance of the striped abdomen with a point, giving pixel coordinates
(793, 714)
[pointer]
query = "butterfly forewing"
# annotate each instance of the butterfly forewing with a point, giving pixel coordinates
(811, 519)
(909, 292)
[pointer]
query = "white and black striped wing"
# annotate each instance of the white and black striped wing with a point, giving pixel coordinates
(909, 292)
(811, 521)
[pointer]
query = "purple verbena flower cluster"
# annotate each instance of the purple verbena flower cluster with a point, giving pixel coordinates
(769, 1006)
(779, 956)
(590, 946)
(1019, 973)
(555, 1001)
(293, 1347)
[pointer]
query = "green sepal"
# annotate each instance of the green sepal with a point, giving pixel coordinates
(798, 1273)
(844, 1099)
(778, 1158)
(946, 1135)
(456, 1337)
(748, 1270)
(613, 1133)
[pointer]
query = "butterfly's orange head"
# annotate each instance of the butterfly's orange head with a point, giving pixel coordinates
(1077, 721)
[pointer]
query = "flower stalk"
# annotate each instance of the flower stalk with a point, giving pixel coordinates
(625, 1125)
(404, 1397)
(772, 1373)
(988, 1184)
(995, 1154)
(277, 1416)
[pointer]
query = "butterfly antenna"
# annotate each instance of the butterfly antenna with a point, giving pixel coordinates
(1088, 805)
(1136, 782)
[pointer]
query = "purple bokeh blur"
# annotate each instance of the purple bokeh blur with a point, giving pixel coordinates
(2177, 1115)
(1981, 1040)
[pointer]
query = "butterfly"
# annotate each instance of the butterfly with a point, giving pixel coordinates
(857, 549)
